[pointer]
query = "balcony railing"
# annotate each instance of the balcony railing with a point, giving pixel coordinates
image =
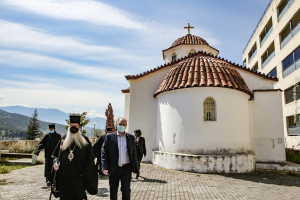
(288, 70)
(253, 55)
(268, 59)
(291, 68)
(296, 29)
(266, 36)
(287, 6)
(290, 35)
(293, 130)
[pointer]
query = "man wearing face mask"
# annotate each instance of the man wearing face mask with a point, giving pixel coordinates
(76, 169)
(48, 143)
(118, 159)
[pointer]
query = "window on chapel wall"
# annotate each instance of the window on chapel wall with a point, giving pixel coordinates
(174, 57)
(192, 51)
(209, 110)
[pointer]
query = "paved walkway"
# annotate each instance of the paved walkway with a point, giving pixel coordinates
(158, 183)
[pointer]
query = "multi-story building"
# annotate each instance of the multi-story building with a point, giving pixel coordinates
(274, 49)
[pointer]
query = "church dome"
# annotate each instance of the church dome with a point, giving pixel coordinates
(203, 70)
(189, 40)
(186, 45)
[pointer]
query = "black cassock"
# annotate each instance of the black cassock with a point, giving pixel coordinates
(49, 142)
(75, 176)
(97, 151)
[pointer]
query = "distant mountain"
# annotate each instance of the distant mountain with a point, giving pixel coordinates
(14, 125)
(52, 115)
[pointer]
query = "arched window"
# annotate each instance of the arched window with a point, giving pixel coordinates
(192, 51)
(209, 110)
(174, 57)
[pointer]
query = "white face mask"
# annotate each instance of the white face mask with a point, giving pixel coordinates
(121, 128)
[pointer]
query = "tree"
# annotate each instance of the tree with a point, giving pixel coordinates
(116, 122)
(97, 132)
(33, 128)
(83, 120)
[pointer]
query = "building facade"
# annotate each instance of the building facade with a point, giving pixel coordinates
(274, 49)
(200, 112)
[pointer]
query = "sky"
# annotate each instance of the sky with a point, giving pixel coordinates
(72, 55)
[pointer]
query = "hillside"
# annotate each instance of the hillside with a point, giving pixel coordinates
(51, 115)
(14, 125)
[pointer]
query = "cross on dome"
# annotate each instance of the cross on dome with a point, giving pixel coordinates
(188, 27)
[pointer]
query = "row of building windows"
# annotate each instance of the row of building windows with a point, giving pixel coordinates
(287, 33)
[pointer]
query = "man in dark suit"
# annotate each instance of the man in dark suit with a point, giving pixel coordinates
(118, 158)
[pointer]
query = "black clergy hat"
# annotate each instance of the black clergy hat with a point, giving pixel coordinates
(75, 119)
(52, 125)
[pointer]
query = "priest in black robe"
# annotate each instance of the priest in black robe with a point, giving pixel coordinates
(48, 143)
(76, 169)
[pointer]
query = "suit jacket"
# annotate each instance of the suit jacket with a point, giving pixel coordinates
(142, 146)
(110, 152)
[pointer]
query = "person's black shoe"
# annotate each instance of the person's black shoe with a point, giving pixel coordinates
(48, 183)
(137, 175)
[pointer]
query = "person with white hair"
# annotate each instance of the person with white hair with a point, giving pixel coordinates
(76, 169)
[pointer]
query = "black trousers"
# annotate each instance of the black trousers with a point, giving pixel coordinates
(124, 174)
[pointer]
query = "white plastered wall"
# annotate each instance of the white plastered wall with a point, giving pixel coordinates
(254, 82)
(183, 50)
(266, 127)
(143, 107)
(126, 108)
(181, 128)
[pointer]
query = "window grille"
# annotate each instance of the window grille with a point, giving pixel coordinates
(209, 110)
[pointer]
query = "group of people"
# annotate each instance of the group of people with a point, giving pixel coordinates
(70, 167)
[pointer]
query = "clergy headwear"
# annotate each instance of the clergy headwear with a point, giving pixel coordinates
(52, 125)
(75, 119)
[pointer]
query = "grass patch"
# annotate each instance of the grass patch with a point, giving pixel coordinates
(292, 156)
(4, 169)
(13, 158)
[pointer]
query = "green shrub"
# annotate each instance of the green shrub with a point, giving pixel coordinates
(292, 156)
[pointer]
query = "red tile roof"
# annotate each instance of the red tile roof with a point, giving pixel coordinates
(268, 90)
(189, 40)
(137, 76)
(202, 71)
(126, 90)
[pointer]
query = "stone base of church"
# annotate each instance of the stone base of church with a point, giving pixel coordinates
(230, 163)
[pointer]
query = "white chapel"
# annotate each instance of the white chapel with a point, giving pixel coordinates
(199, 112)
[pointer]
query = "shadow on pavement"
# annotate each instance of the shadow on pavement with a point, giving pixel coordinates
(152, 180)
(101, 192)
(268, 177)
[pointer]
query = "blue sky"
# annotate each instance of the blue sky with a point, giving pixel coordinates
(73, 54)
